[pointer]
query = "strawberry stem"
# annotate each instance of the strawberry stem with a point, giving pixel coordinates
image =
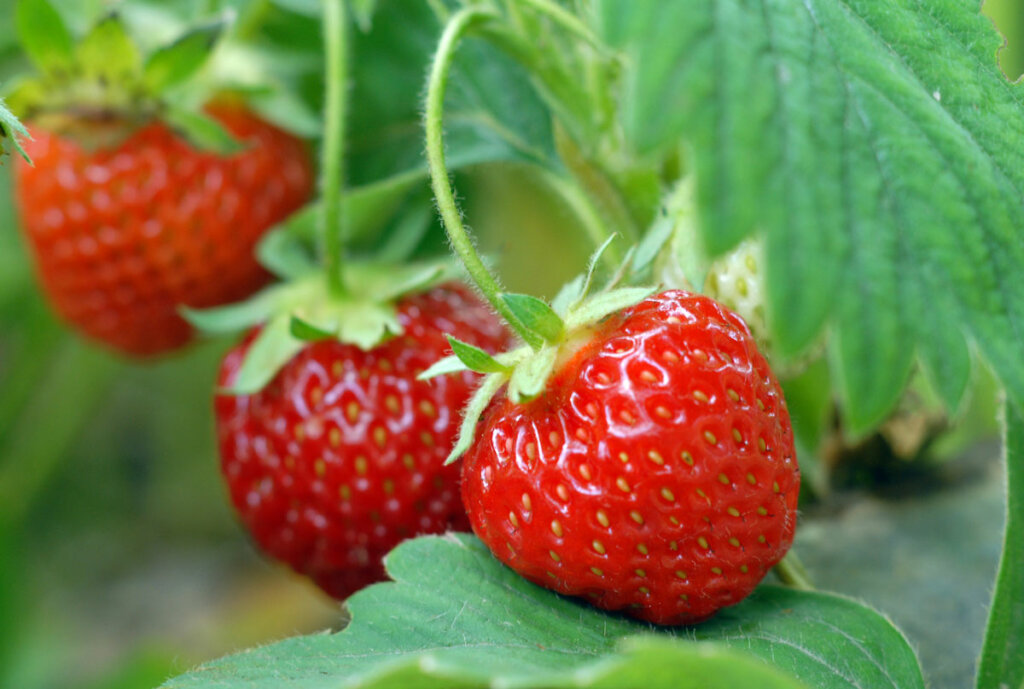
(459, 25)
(792, 573)
(333, 230)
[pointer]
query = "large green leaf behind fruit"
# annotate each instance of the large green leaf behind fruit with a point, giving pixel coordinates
(881, 151)
(456, 617)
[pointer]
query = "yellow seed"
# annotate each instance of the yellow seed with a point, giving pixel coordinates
(289, 462)
(603, 378)
(673, 545)
(668, 495)
(642, 549)
(554, 438)
(644, 590)
(762, 445)
(648, 377)
(761, 539)
(334, 437)
(751, 263)
(716, 570)
(563, 492)
(681, 574)
(380, 436)
(674, 521)
(700, 396)
(751, 479)
(510, 548)
(775, 486)
(710, 437)
(687, 457)
(428, 409)
(385, 365)
(585, 472)
(743, 568)
(531, 450)
(337, 368)
(663, 412)
(408, 461)
(701, 493)
(670, 356)
(552, 575)
(599, 547)
(734, 542)
(760, 404)
(581, 434)
(602, 518)
(344, 491)
(623, 457)
(622, 484)
(320, 467)
(703, 542)
(683, 597)
(656, 457)
(556, 528)
(554, 556)
(723, 479)
(391, 402)
(361, 465)
(733, 395)
(636, 516)
(596, 571)
(527, 502)
(733, 512)
(352, 411)
(700, 354)
(427, 439)
(741, 287)
(591, 410)
(513, 519)
(299, 431)
(672, 319)
(640, 573)
(389, 486)
(627, 417)
(762, 511)
(316, 395)
(737, 436)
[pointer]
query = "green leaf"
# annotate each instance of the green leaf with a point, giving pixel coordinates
(362, 11)
(11, 131)
(202, 131)
(175, 63)
(44, 35)
(443, 367)
(108, 52)
(309, 332)
(536, 315)
(602, 305)
(270, 351)
(284, 254)
(235, 317)
(486, 626)
(880, 149)
(1002, 656)
(475, 358)
(492, 111)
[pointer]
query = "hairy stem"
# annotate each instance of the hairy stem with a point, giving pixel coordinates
(332, 177)
(791, 572)
(458, 26)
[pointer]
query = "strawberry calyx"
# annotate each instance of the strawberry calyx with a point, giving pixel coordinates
(566, 325)
(100, 89)
(11, 130)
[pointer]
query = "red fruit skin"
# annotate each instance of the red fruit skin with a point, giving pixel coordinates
(625, 482)
(342, 455)
(122, 237)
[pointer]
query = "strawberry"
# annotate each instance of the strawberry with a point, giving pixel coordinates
(656, 474)
(341, 455)
(123, 236)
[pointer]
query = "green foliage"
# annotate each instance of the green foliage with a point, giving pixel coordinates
(486, 626)
(44, 35)
(108, 52)
(174, 64)
(879, 148)
(1002, 657)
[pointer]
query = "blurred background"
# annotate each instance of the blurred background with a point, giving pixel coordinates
(120, 561)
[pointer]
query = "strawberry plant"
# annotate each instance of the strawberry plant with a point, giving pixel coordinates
(803, 222)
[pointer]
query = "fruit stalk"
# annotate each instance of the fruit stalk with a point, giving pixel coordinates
(461, 23)
(333, 223)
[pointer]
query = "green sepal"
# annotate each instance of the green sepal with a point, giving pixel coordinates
(274, 347)
(178, 61)
(529, 378)
(362, 11)
(235, 317)
(443, 367)
(367, 324)
(44, 36)
(108, 53)
(284, 255)
(536, 315)
(202, 131)
(11, 130)
(569, 295)
(476, 359)
(653, 242)
(474, 410)
(602, 305)
(588, 279)
(308, 332)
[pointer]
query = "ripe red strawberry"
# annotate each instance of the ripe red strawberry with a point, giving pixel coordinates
(656, 475)
(122, 237)
(341, 456)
